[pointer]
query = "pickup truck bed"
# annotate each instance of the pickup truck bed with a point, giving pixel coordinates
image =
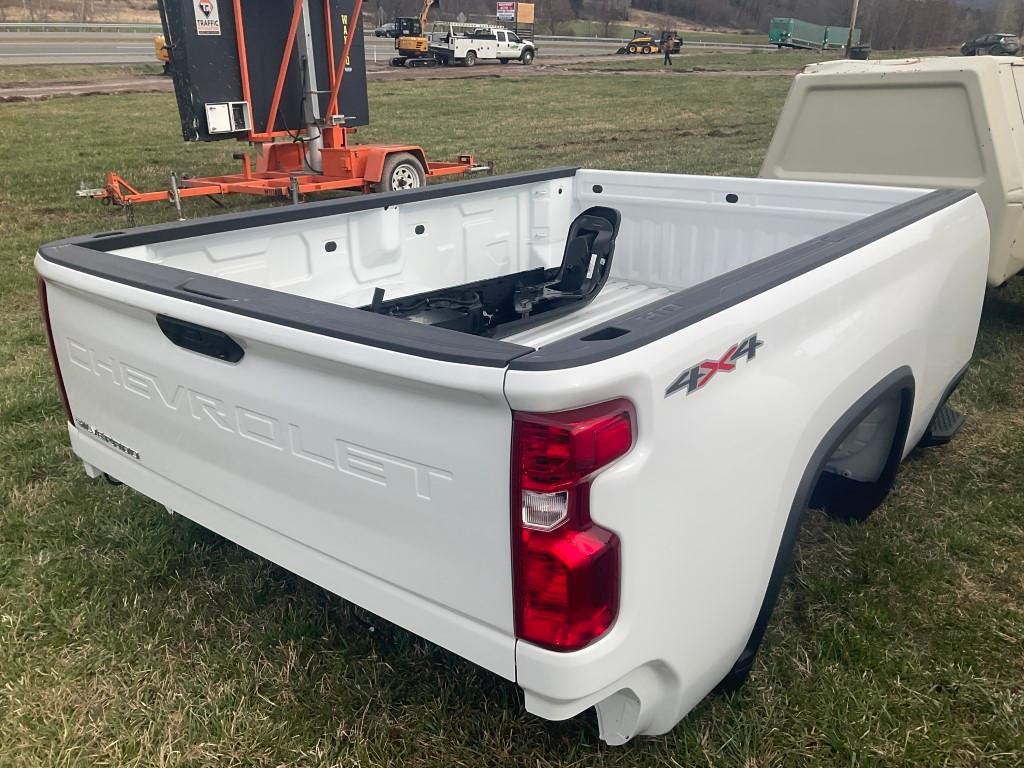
(755, 339)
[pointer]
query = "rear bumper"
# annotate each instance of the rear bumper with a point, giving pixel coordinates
(646, 700)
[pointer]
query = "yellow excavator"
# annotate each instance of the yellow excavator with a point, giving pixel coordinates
(411, 41)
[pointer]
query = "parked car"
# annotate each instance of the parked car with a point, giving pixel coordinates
(386, 30)
(563, 423)
(992, 45)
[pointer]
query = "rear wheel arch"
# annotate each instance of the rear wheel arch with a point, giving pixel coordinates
(850, 493)
(898, 384)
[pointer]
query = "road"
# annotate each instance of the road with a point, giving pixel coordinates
(74, 48)
(100, 48)
(77, 48)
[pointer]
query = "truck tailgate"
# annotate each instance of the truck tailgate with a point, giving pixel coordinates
(383, 477)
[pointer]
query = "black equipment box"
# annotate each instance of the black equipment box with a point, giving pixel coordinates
(201, 36)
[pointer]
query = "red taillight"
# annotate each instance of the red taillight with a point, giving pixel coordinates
(41, 286)
(566, 568)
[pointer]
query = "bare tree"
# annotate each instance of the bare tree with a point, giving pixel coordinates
(554, 13)
(610, 11)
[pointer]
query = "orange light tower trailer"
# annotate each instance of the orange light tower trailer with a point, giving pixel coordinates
(274, 73)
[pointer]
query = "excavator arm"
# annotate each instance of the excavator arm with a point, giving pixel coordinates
(427, 5)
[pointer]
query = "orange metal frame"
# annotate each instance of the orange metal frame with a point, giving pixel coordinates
(281, 169)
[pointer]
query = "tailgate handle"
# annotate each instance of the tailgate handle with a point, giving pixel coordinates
(199, 338)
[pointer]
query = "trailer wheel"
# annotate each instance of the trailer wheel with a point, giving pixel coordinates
(470, 59)
(527, 56)
(402, 171)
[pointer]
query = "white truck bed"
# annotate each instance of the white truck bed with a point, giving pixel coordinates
(677, 232)
(758, 343)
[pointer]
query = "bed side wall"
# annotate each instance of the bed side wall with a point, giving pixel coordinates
(680, 230)
(405, 248)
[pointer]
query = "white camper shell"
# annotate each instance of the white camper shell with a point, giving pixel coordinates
(931, 122)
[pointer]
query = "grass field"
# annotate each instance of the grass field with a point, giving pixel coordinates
(708, 61)
(26, 74)
(698, 60)
(131, 638)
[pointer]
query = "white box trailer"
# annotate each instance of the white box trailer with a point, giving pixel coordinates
(920, 122)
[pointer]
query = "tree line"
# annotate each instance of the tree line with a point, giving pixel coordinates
(886, 24)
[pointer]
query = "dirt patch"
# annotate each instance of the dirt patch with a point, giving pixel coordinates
(39, 92)
(381, 73)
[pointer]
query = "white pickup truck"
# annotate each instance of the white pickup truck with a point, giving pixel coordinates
(480, 44)
(563, 423)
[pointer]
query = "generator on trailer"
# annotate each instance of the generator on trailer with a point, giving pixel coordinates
(289, 78)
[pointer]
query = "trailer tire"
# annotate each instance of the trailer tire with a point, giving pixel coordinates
(526, 57)
(470, 59)
(402, 171)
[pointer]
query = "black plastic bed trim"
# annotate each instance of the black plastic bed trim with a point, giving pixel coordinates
(689, 306)
(90, 254)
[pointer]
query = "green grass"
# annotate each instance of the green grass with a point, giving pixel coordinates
(709, 61)
(131, 638)
(30, 74)
(755, 38)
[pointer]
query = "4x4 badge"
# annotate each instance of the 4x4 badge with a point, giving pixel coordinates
(699, 375)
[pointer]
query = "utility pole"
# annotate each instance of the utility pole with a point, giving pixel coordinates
(853, 25)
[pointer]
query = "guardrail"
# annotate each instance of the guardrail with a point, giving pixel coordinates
(87, 26)
(686, 42)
